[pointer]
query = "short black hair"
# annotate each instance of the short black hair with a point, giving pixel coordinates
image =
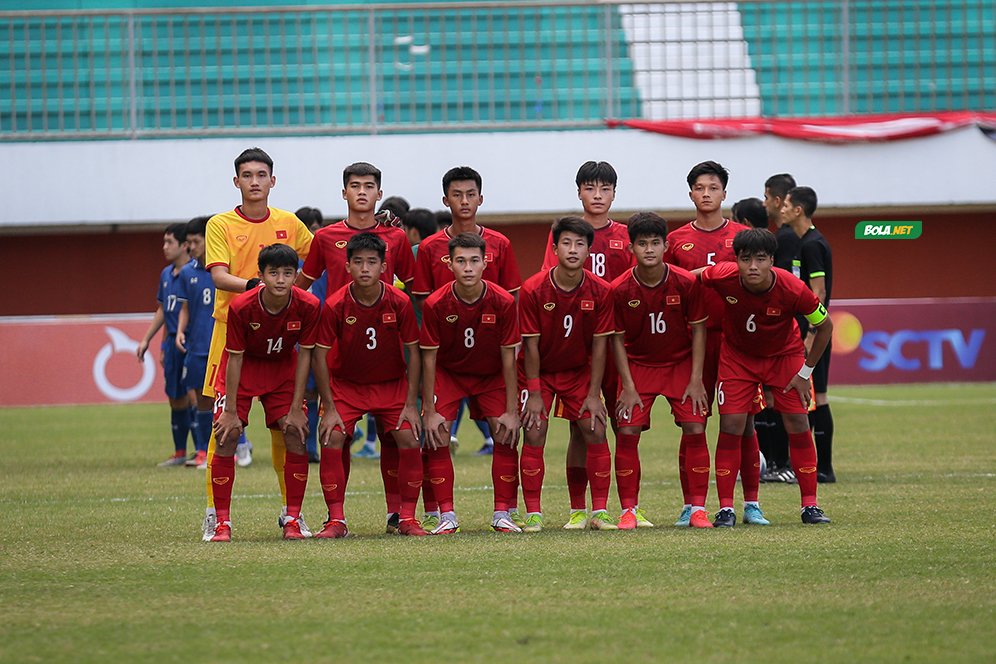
(179, 231)
(360, 168)
(253, 154)
(310, 216)
(575, 225)
(466, 241)
(396, 205)
(754, 242)
(422, 220)
(197, 226)
(460, 173)
(647, 224)
(277, 255)
(805, 198)
(443, 219)
(779, 184)
(596, 171)
(750, 211)
(363, 242)
(708, 168)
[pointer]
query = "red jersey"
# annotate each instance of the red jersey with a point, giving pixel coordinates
(654, 319)
(260, 335)
(328, 254)
(432, 266)
(367, 342)
(763, 324)
(690, 247)
(470, 336)
(565, 321)
(609, 254)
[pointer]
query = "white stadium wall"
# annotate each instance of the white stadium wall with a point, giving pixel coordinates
(152, 181)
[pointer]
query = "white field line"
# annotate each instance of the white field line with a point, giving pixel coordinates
(858, 401)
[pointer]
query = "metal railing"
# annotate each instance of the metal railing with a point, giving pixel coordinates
(483, 65)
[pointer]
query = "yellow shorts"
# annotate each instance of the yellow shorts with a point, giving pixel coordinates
(218, 338)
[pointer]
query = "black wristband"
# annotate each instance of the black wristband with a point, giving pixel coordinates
(252, 283)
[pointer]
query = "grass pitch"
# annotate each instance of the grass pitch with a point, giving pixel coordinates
(103, 560)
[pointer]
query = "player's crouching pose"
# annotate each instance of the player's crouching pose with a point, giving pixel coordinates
(762, 346)
(565, 318)
(469, 333)
(659, 347)
(265, 324)
(368, 325)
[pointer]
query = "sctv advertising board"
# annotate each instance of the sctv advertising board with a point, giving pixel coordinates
(91, 359)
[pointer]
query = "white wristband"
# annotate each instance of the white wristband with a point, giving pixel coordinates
(805, 372)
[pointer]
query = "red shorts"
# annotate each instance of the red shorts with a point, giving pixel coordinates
(710, 367)
(385, 401)
(271, 382)
(742, 377)
(486, 394)
(668, 381)
(569, 387)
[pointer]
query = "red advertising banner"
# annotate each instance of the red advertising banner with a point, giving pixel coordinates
(913, 341)
(78, 359)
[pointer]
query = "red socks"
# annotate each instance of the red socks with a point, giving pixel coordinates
(697, 464)
(389, 472)
(333, 478)
(222, 479)
(441, 477)
(727, 467)
(628, 469)
(429, 503)
(296, 481)
(599, 462)
(408, 477)
(802, 453)
(505, 476)
(577, 486)
(686, 493)
(532, 470)
(750, 467)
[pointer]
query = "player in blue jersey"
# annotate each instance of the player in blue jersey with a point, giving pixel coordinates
(167, 313)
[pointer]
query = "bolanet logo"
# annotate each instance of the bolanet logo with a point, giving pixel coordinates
(888, 230)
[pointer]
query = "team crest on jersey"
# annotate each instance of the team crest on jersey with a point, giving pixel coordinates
(774, 311)
(341, 244)
(688, 246)
(731, 299)
(488, 318)
(389, 317)
(489, 257)
(254, 326)
(729, 242)
(587, 305)
(350, 320)
(445, 259)
(241, 238)
(281, 235)
(550, 306)
(615, 244)
(634, 303)
(673, 299)
(452, 318)
(293, 325)
(193, 280)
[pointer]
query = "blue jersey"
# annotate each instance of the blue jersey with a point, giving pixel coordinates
(197, 290)
(169, 297)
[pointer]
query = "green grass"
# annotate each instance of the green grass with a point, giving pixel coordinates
(102, 558)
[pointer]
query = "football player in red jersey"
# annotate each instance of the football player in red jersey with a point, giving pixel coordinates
(565, 318)
(469, 333)
(698, 244)
(266, 325)
(762, 346)
(361, 189)
(660, 350)
(609, 256)
(369, 326)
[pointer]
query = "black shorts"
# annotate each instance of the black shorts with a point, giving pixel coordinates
(821, 372)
